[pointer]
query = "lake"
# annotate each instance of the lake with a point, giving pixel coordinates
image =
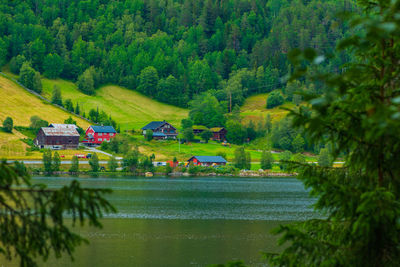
(187, 221)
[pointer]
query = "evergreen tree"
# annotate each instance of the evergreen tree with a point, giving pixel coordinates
(47, 161)
(56, 162)
(56, 97)
(267, 160)
(358, 115)
(44, 226)
(74, 165)
(94, 162)
(298, 144)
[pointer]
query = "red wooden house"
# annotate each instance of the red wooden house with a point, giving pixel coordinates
(207, 160)
(95, 135)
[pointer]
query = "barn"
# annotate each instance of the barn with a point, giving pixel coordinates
(207, 160)
(58, 136)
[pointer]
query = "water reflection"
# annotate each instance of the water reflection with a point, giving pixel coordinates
(187, 222)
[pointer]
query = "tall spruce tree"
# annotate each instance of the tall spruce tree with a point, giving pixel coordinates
(359, 113)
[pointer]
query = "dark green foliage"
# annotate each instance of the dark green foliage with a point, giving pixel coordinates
(275, 99)
(251, 132)
(53, 66)
(85, 82)
(242, 159)
(324, 158)
(206, 110)
(37, 123)
(359, 115)
(285, 157)
(112, 163)
(56, 162)
(148, 80)
(69, 105)
(77, 109)
(74, 165)
(39, 212)
(131, 160)
(149, 135)
(30, 78)
(186, 123)
(47, 161)
(188, 134)
(267, 160)
(56, 97)
(206, 135)
(236, 133)
(94, 162)
(298, 144)
(16, 63)
(8, 124)
(236, 47)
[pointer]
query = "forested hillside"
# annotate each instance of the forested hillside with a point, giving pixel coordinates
(168, 49)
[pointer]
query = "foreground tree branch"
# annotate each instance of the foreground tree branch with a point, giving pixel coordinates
(32, 217)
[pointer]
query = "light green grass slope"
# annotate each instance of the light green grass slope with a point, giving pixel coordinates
(130, 109)
(254, 108)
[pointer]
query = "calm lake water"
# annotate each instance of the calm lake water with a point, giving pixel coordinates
(187, 221)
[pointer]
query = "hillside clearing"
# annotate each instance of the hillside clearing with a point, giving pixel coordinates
(254, 108)
(130, 109)
(21, 105)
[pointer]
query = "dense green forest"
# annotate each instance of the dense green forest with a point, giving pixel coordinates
(171, 50)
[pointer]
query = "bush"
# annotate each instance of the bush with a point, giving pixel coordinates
(275, 99)
(149, 135)
(8, 124)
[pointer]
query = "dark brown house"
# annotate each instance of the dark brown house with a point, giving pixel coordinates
(161, 130)
(59, 136)
(219, 133)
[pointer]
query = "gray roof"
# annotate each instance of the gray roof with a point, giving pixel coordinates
(154, 125)
(212, 159)
(51, 131)
(59, 125)
(103, 129)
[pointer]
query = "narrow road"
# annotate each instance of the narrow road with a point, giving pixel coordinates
(95, 150)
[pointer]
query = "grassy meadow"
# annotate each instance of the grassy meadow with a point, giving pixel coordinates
(254, 108)
(130, 109)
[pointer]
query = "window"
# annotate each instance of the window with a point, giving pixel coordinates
(111, 134)
(100, 139)
(100, 134)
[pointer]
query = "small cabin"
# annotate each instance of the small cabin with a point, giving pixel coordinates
(207, 161)
(219, 133)
(58, 136)
(95, 135)
(161, 130)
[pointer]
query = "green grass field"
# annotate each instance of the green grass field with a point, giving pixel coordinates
(254, 108)
(130, 109)
(20, 105)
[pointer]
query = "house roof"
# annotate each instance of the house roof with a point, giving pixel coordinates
(158, 134)
(216, 129)
(199, 127)
(59, 125)
(103, 129)
(154, 125)
(51, 131)
(209, 159)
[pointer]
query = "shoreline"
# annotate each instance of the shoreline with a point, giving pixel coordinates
(242, 174)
